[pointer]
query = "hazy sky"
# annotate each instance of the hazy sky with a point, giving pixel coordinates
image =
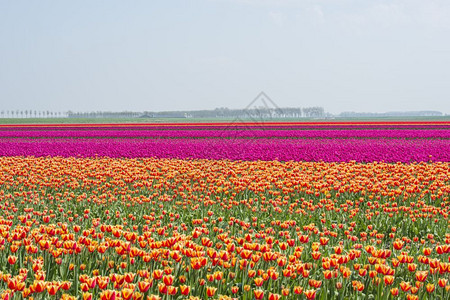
(344, 55)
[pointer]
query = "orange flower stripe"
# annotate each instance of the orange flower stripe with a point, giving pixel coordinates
(108, 228)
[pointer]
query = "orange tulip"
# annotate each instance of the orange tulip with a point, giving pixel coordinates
(316, 255)
(259, 294)
(251, 273)
(184, 289)
(12, 259)
(398, 245)
(87, 296)
(324, 241)
(168, 279)
(412, 267)
(52, 289)
(26, 292)
(65, 285)
(421, 275)
(144, 286)
(162, 288)
(427, 251)
(172, 290)
(430, 287)
(310, 294)
(127, 293)
(258, 281)
(405, 286)
(108, 295)
(38, 286)
(327, 274)
(129, 277)
(298, 290)
(346, 272)
(274, 296)
(157, 274)
(210, 291)
(388, 280)
(442, 282)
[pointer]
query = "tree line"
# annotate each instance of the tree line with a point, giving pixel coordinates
(28, 113)
(218, 113)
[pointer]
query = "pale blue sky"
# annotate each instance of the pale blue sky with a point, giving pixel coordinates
(358, 55)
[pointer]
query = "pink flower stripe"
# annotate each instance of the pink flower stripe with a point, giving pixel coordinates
(319, 149)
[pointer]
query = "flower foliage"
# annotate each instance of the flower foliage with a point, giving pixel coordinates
(137, 227)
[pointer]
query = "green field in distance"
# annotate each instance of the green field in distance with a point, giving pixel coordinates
(201, 120)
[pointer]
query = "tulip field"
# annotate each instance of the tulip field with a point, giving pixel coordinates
(225, 211)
